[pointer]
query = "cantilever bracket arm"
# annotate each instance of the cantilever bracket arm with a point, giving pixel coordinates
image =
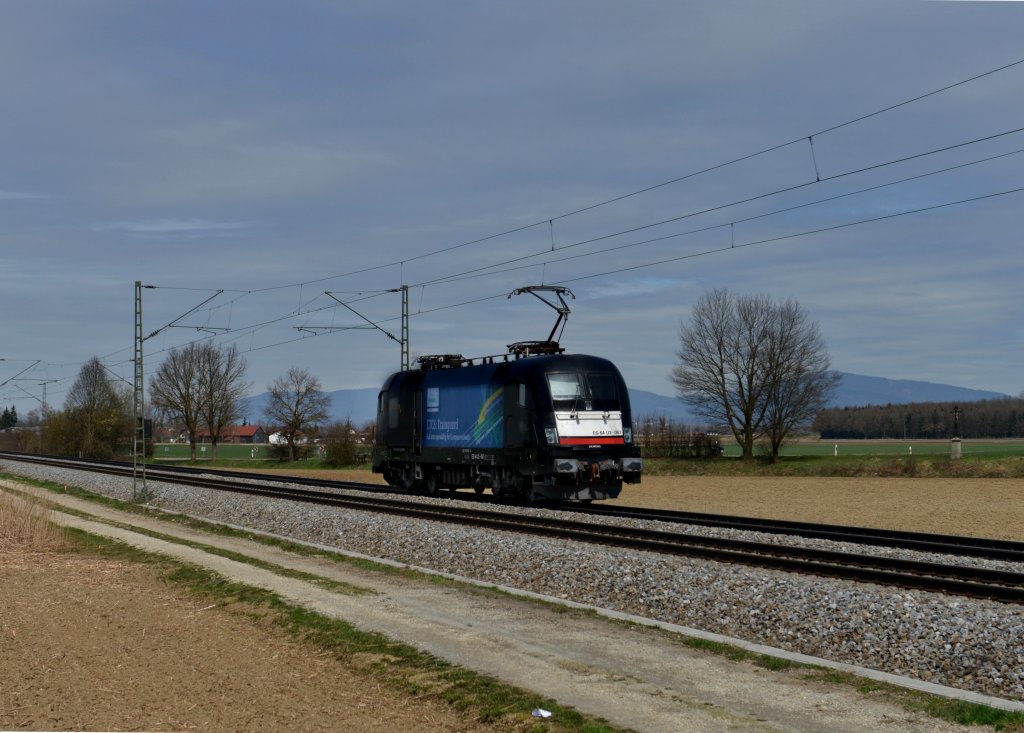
(561, 307)
(188, 312)
(372, 324)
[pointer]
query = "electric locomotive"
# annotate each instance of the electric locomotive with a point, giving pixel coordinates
(529, 427)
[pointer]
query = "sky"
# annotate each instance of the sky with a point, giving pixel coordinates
(257, 162)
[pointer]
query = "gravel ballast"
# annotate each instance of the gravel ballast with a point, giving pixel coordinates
(964, 643)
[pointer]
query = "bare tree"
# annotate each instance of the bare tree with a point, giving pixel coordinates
(222, 387)
(200, 384)
(297, 405)
(755, 366)
(799, 374)
(176, 389)
(95, 413)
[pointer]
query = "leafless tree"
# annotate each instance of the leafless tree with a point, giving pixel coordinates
(200, 384)
(176, 389)
(758, 367)
(222, 387)
(296, 405)
(95, 415)
(799, 375)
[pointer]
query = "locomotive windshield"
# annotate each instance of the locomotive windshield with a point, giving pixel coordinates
(571, 392)
(566, 390)
(603, 392)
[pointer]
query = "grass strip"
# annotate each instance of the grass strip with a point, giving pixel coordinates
(943, 708)
(956, 711)
(399, 666)
(851, 466)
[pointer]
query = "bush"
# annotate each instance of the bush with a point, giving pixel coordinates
(341, 444)
(280, 452)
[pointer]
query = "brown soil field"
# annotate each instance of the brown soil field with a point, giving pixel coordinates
(975, 507)
(92, 644)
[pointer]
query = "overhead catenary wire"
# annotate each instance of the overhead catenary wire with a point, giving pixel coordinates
(730, 224)
(717, 250)
(758, 197)
(780, 238)
(706, 252)
(252, 328)
(638, 192)
(550, 220)
(302, 309)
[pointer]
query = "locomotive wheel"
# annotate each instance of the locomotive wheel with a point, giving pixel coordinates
(408, 482)
(430, 484)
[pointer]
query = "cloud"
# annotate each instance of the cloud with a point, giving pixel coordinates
(290, 144)
(177, 228)
(7, 195)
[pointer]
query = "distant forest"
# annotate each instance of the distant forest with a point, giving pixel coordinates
(1003, 418)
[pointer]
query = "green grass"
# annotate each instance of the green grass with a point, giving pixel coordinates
(956, 711)
(406, 669)
(398, 666)
(850, 464)
(738, 654)
(875, 458)
(402, 667)
(228, 452)
(846, 448)
(258, 456)
(943, 708)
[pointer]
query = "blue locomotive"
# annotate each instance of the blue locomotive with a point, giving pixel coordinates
(549, 427)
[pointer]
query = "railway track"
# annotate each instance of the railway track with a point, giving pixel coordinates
(998, 585)
(979, 547)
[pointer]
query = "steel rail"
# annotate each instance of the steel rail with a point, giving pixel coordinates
(958, 545)
(986, 583)
(981, 547)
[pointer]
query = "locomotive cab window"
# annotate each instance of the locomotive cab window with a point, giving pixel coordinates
(572, 392)
(394, 412)
(566, 391)
(603, 392)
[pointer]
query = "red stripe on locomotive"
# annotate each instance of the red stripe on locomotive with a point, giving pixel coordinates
(592, 441)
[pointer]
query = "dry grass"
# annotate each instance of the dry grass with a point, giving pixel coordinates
(25, 526)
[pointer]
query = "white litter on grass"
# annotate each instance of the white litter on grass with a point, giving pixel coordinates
(541, 713)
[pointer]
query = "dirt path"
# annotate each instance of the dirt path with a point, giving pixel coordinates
(145, 654)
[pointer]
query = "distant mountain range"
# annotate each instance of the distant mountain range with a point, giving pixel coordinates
(855, 390)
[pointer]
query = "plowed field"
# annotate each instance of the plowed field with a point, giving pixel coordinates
(975, 507)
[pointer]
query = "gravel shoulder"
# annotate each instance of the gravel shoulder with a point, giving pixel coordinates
(637, 678)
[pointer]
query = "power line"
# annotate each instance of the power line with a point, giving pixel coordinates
(787, 189)
(549, 220)
(717, 250)
(798, 234)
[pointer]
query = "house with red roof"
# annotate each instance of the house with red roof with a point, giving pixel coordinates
(235, 434)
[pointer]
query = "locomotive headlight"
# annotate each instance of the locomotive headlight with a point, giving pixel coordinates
(627, 435)
(551, 435)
